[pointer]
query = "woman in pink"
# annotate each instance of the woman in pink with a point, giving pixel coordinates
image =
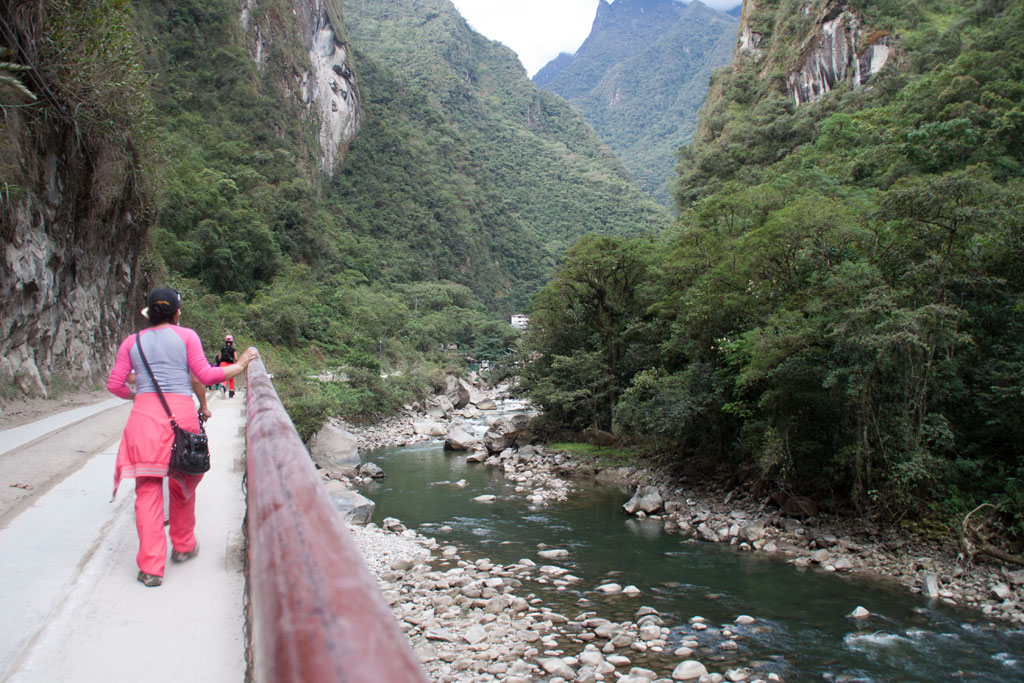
(176, 357)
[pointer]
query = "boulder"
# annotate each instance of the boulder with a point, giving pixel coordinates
(354, 507)
(478, 455)
(456, 391)
(526, 454)
(371, 470)
(1001, 591)
(556, 667)
(486, 404)
(459, 439)
(428, 428)
(520, 420)
(706, 533)
(500, 435)
(647, 499)
(335, 448)
(753, 531)
(439, 406)
(689, 670)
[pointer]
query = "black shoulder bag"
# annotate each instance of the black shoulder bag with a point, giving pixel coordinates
(190, 453)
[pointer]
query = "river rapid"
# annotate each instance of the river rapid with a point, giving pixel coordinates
(802, 632)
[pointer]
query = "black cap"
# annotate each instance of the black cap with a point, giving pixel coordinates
(164, 301)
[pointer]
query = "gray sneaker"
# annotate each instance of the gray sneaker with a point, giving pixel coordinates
(149, 580)
(178, 556)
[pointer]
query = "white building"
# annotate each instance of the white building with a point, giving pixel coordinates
(520, 321)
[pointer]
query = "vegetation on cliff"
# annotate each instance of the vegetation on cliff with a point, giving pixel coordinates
(74, 197)
(839, 312)
(452, 205)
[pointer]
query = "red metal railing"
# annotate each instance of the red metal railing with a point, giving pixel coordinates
(316, 613)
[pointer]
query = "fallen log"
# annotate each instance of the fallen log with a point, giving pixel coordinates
(973, 544)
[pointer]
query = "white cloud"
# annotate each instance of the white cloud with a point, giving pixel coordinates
(539, 29)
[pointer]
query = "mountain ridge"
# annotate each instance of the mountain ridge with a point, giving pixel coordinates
(640, 78)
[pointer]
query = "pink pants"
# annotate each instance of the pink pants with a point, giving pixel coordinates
(149, 518)
(230, 382)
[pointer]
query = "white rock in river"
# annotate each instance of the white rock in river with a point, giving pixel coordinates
(610, 588)
(745, 619)
(647, 499)
(556, 667)
(429, 428)
(554, 554)
(650, 632)
(485, 499)
(689, 670)
(860, 613)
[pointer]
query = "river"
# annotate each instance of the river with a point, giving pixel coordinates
(802, 630)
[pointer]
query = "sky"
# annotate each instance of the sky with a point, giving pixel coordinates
(540, 29)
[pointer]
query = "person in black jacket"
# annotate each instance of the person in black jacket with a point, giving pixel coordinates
(228, 356)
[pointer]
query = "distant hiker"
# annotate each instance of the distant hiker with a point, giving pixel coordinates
(216, 364)
(176, 358)
(226, 357)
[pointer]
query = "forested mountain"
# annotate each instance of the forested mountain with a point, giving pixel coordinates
(354, 187)
(493, 178)
(839, 312)
(640, 78)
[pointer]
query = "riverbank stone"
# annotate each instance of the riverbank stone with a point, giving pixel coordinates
(459, 439)
(334, 448)
(647, 499)
(689, 670)
(428, 428)
(500, 435)
(355, 508)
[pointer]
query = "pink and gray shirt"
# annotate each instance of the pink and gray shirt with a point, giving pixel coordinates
(172, 353)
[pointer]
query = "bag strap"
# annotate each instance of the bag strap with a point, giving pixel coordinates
(138, 345)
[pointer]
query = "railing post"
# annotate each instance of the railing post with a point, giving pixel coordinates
(316, 612)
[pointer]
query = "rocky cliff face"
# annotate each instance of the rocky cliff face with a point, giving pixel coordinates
(72, 238)
(326, 85)
(838, 48)
(72, 216)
